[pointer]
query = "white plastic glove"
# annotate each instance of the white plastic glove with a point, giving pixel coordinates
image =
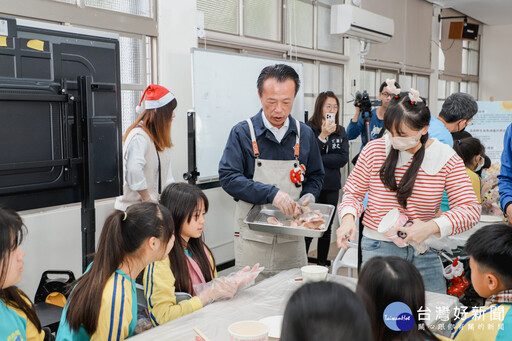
(284, 202)
(245, 277)
(306, 199)
(216, 289)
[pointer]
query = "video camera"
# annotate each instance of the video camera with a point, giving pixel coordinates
(363, 102)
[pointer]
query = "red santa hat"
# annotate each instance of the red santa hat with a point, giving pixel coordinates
(156, 97)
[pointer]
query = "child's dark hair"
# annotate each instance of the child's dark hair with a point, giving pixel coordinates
(325, 311)
(467, 148)
(384, 280)
(122, 235)
(491, 248)
(11, 236)
(317, 118)
(416, 116)
(182, 200)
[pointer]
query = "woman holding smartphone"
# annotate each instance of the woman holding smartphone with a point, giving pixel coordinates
(333, 143)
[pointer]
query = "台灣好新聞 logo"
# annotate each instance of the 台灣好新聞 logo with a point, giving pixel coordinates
(398, 316)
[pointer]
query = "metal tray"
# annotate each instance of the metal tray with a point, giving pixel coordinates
(257, 220)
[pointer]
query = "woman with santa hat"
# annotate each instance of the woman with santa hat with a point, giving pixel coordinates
(146, 148)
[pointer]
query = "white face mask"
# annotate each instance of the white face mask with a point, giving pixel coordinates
(479, 166)
(404, 143)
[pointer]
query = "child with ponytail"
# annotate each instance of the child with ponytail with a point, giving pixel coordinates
(17, 315)
(190, 266)
(103, 304)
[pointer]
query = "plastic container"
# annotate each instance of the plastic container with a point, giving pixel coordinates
(390, 224)
(314, 273)
(248, 331)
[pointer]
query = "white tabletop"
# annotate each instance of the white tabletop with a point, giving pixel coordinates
(267, 298)
(463, 237)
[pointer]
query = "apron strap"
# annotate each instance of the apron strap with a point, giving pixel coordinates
(297, 147)
(253, 139)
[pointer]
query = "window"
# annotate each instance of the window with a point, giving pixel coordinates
(220, 15)
(299, 23)
(262, 19)
(135, 60)
(326, 40)
(367, 82)
(470, 57)
(142, 8)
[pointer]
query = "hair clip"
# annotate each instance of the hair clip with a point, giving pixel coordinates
(414, 96)
(125, 216)
(325, 91)
(392, 88)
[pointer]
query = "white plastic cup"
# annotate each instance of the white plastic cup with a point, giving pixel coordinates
(248, 331)
(390, 224)
(314, 273)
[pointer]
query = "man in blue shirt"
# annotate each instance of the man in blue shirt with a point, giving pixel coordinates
(457, 111)
(356, 125)
(271, 158)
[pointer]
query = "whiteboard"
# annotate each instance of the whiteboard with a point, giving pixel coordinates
(225, 93)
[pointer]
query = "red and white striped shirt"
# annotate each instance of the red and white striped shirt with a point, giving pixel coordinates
(425, 200)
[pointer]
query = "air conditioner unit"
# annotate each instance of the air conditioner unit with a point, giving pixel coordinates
(355, 22)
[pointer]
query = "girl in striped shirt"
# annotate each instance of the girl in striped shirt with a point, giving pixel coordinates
(103, 305)
(409, 171)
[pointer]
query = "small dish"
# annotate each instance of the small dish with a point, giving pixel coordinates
(274, 324)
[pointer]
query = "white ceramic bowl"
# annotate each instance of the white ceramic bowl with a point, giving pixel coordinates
(248, 331)
(314, 273)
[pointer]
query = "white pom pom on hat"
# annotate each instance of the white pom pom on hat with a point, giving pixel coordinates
(155, 96)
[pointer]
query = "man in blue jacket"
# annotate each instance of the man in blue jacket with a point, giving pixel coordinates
(505, 177)
(259, 166)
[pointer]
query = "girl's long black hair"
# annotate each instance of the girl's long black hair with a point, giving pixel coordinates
(384, 280)
(182, 200)
(122, 235)
(416, 116)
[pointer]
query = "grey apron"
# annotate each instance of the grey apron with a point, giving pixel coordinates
(276, 252)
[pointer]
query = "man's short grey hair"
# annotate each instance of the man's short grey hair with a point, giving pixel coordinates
(458, 106)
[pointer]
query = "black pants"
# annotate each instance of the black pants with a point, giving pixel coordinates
(331, 198)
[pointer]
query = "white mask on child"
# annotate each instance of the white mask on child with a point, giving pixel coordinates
(479, 167)
(404, 143)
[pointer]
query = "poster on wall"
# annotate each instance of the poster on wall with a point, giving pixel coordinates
(489, 126)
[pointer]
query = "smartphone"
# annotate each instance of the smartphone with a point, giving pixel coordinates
(330, 117)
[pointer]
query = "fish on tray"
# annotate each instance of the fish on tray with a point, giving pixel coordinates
(307, 218)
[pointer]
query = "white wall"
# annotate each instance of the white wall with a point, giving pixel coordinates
(495, 65)
(54, 241)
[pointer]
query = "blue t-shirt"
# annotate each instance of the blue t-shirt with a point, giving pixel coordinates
(14, 325)
(438, 130)
(355, 129)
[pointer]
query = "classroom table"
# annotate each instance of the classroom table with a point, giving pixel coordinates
(266, 298)
(463, 237)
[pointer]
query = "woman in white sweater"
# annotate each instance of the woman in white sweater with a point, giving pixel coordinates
(146, 149)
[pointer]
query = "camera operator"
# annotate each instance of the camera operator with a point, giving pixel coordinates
(376, 116)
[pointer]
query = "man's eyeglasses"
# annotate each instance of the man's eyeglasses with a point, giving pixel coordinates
(386, 94)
